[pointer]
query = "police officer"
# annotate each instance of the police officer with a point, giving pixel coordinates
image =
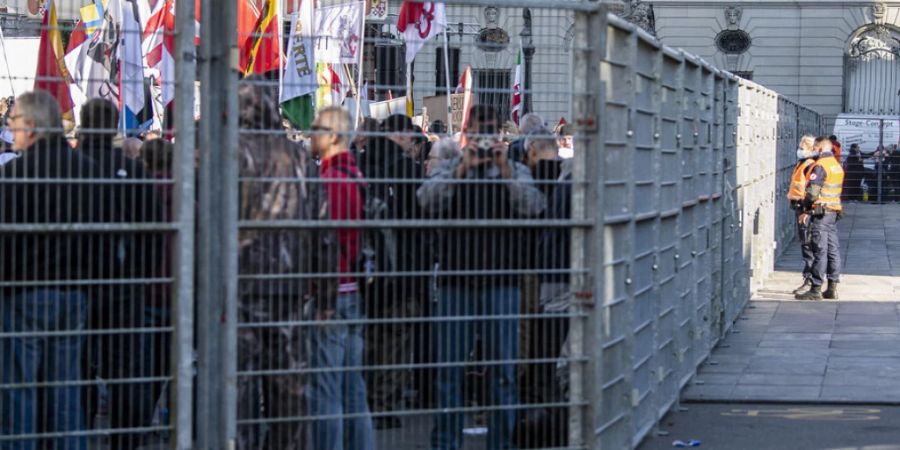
(796, 194)
(822, 210)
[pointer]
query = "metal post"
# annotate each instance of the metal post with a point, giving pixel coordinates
(213, 59)
(880, 164)
(528, 53)
(229, 244)
(183, 298)
(586, 243)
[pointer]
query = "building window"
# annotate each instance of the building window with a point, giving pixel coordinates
(494, 88)
(745, 74)
(440, 85)
(390, 71)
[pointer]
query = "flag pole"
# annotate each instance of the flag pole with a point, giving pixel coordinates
(12, 87)
(281, 65)
(359, 65)
(447, 79)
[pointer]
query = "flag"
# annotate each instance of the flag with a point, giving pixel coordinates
(466, 88)
(158, 48)
(260, 45)
(131, 65)
(419, 22)
(337, 35)
(299, 81)
(331, 91)
(51, 74)
(517, 90)
(92, 57)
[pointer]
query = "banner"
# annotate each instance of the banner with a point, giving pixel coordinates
(377, 11)
(300, 70)
(337, 33)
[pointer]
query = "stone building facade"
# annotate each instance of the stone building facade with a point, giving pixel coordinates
(833, 56)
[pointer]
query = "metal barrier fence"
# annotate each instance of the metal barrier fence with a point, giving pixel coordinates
(258, 286)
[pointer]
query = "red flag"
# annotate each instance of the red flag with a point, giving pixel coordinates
(258, 37)
(52, 75)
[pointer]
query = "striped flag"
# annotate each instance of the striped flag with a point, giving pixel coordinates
(517, 90)
(259, 45)
(52, 75)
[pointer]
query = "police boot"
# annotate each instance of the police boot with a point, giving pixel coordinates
(831, 292)
(803, 287)
(814, 293)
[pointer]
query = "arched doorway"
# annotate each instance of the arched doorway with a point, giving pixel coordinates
(872, 70)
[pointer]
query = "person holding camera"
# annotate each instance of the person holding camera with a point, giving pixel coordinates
(476, 275)
(821, 211)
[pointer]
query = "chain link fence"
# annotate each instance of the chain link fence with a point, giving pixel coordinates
(540, 257)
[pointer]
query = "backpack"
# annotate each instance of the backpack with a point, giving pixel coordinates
(378, 245)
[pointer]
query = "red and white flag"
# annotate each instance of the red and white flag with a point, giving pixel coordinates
(419, 22)
(158, 47)
(517, 90)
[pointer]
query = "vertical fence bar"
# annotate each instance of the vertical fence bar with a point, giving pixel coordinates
(230, 224)
(586, 246)
(183, 356)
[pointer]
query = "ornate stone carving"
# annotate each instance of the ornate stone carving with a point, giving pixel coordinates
(639, 13)
(877, 42)
(492, 38)
(733, 17)
(878, 11)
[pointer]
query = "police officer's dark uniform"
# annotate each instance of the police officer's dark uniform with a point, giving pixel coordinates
(796, 195)
(823, 204)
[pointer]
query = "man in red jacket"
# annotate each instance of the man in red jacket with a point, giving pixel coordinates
(337, 392)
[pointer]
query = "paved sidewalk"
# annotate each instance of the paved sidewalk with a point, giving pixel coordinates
(870, 246)
(845, 351)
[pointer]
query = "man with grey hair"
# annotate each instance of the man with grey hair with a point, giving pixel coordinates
(336, 343)
(132, 147)
(57, 262)
(530, 123)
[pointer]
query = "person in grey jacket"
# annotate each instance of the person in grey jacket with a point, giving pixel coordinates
(477, 273)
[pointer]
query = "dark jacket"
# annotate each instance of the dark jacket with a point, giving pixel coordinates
(132, 199)
(554, 244)
(478, 250)
(41, 255)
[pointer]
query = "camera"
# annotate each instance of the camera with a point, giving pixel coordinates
(485, 144)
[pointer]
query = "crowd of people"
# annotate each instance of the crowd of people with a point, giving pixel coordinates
(458, 303)
(885, 167)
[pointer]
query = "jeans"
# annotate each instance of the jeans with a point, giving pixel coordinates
(454, 339)
(37, 359)
(338, 392)
(826, 249)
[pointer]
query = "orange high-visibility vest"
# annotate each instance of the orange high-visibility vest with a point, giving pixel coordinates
(830, 196)
(799, 180)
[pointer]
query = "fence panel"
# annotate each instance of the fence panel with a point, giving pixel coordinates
(551, 283)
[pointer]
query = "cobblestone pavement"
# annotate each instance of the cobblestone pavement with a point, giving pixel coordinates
(845, 351)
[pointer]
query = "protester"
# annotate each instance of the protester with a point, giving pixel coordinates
(565, 137)
(503, 190)
(821, 211)
(806, 159)
(268, 154)
(539, 426)
(123, 256)
(835, 147)
(529, 123)
(39, 256)
(394, 158)
(892, 162)
(854, 172)
(132, 147)
(336, 347)
(441, 152)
